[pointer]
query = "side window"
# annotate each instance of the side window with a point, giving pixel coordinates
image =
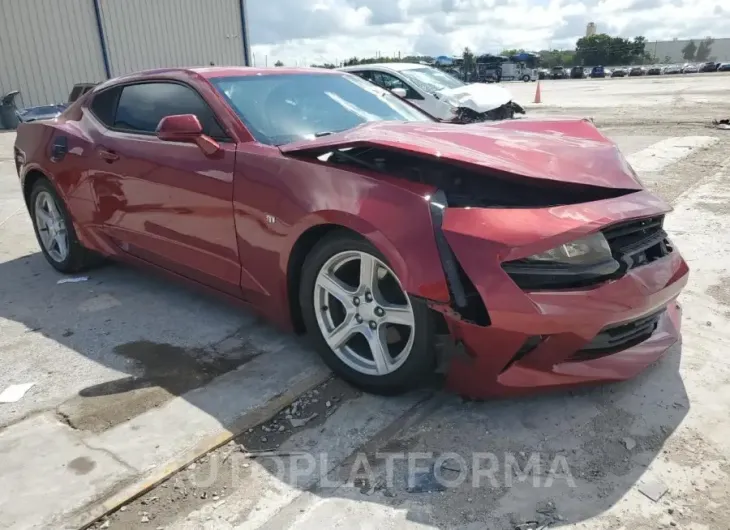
(389, 82)
(142, 106)
(104, 105)
(365, 74)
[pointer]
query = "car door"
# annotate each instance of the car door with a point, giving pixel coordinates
(423, 100)
(166, 202)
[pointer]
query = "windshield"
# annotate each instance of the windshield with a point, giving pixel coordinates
(284, 108)
(431, 80)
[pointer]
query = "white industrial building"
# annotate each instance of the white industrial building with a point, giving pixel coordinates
(46, 46)
(719, 51)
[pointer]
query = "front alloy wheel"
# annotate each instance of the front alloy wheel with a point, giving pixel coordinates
(366, 327)
(363, 313)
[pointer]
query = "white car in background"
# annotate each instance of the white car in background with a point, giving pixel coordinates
(440, 94)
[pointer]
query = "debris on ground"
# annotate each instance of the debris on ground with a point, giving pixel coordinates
(15, 393)
(653, 488)
(77, 279)
(545, 507)
(530, 525)
(722, 124)
(297, 422)
(629, 443)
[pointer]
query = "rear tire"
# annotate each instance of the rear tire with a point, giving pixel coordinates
(55, 232)
(364, 326)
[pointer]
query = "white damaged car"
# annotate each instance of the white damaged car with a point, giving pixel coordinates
(440, 94)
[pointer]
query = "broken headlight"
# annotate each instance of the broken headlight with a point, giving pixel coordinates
(585, 261)
(589, 250)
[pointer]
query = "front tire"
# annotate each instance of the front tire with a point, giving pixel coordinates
(55, 232)
(526, 78)
(366, 328)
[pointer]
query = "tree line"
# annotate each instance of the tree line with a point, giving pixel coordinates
(598, 49)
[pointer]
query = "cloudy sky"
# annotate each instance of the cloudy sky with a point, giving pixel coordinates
(316, 31)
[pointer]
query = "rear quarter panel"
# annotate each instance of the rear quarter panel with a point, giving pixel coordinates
(69, 175)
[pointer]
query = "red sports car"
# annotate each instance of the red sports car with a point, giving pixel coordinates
(518, 255)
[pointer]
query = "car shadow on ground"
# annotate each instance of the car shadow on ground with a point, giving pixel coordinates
(551, 459)
(122, 342)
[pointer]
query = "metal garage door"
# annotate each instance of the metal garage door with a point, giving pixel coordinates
(46, 46)
(143, 34)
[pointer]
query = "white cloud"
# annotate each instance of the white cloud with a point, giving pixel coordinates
(315, 31)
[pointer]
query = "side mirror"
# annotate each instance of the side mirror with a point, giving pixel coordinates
(179, 128)
(400, 92)
(186, 128)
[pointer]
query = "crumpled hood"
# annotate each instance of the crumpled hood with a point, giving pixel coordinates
(479, 97)
(560, 150)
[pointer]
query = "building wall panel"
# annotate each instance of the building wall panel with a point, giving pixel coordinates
(46, 46)
(144, 34)
(720, 50)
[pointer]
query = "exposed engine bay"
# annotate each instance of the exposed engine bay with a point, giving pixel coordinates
(503, 112)
(466, 187)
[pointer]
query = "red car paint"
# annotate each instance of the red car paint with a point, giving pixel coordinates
(206, 219)
(578, 155)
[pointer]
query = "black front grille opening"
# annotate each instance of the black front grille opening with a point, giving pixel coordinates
(639, 242)
(529, 345)
(618, 338)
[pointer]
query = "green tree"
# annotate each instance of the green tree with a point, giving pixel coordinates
(638, 47)
(511, 52)
(688, 52)
(602, 49)
(704, 50)
(551, 58)
(278, 63)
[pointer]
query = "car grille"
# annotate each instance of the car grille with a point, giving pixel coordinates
(639, 242)
(614, 339)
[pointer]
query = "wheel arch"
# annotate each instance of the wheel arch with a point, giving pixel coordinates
(30, 177)
(308, 237)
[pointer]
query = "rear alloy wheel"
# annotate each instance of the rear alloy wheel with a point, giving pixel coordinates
(55, 232)
(51, 227)
(367, 328)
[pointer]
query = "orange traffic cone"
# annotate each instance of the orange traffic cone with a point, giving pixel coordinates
(537, 93)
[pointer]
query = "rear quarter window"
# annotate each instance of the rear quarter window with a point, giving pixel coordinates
(104, 105)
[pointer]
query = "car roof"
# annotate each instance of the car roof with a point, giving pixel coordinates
(398, 67)
(234, 71)
(208, 72)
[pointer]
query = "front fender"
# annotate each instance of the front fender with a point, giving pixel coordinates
(411, 253)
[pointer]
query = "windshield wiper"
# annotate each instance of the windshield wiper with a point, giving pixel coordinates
(324, 133)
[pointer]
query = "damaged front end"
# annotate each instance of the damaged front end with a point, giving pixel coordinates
(558, 268)
(477, 102)
(507, 111)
